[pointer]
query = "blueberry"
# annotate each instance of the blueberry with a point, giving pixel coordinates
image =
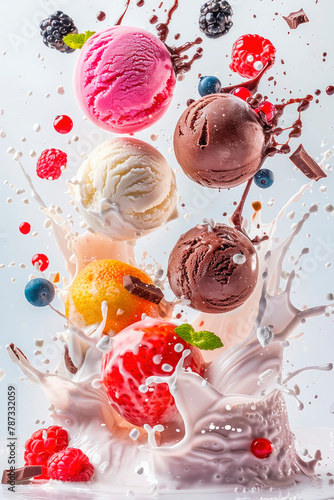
(39, 292)
(209, 85)
(264, 178)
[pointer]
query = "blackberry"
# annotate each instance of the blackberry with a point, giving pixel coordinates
(55, 28)
(215, 18)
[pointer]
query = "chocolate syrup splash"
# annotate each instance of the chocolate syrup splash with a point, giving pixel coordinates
(163, 28)
(295, 128)
(119, 22)
(140, 3)
(252, 85)
(181, 63)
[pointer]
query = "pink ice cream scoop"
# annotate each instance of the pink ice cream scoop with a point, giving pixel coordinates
(124, 79)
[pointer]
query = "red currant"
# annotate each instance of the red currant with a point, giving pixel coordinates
(63, 124)
(268, 109)
(262, 448)
(24, 228)
(41, 260)
(242, 92)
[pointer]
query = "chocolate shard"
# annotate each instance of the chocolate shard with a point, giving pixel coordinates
(296, 18)
(306, 164)
(143, 290)
(68, 361)
(21, 475)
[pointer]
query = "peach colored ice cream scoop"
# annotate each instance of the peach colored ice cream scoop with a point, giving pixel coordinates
(124, 79)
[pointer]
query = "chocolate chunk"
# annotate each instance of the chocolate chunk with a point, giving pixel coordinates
(306, 164)
(21, 475)
(68, 362)
(296, 18)
(142, 290)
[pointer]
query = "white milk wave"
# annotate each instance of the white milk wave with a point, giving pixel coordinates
(239, 399)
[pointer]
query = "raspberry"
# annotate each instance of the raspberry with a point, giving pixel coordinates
(250, 53)
(70, 465)
(50, 163)
(42, 445)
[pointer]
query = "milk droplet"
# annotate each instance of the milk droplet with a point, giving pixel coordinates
(157, 359)
(258, 65)
(178, 348)
(238, 258)
(167, 368)
(37, 127)
(17, 156)
(134, 434)
(2, 373)
(265, 335)
(143, 388)
(39, 342)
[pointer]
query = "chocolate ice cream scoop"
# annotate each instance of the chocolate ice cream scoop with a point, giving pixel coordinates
(219, 141)
(215, 268)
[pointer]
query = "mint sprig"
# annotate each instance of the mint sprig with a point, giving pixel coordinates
(77, 40)
(207, 341)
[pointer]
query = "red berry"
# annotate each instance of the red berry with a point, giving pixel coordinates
(42, 445)
(242, 92)
(24, 228)
(41, 260)
(268, 109)
(70, 465)
(63, 124)
(262, 448)
(142, 350)
(250, 53)
(50, 163)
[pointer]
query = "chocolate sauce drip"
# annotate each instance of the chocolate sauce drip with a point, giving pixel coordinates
(181, 63)
(330, 90)
(251, 85)
(237, 216)
(119, 22)
(163, 28)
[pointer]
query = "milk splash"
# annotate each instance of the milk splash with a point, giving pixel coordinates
(240, 399)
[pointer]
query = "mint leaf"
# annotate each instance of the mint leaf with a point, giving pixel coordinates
(205, 340)
(77, 40)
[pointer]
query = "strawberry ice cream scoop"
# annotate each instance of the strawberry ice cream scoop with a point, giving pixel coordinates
(124, 79)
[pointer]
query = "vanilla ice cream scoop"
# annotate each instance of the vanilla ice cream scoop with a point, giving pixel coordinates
(125, 189)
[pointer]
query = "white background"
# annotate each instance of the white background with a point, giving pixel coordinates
(22, 71)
